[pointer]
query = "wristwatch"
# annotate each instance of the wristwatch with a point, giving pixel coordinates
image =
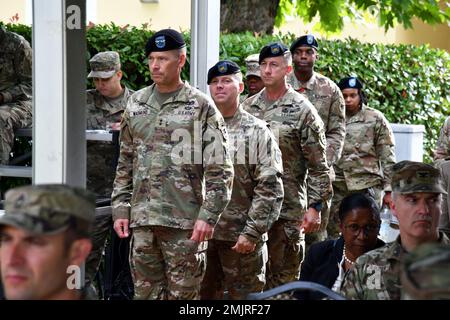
(317, 206)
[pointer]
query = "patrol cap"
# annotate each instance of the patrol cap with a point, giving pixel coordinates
(222, 68)
(164, 40)
(275, 49)
(350, 82)
(104, 64)
(252, 62)
(412, 177)
(49, 209)
(305, 41)
(425, 272)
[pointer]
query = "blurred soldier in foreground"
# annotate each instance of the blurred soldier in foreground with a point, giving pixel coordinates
(416, 195)
(45, 234)
(174, 176)
(252, 76)
(325, 95)
(237, 254)
(15, 89)
(299, 130)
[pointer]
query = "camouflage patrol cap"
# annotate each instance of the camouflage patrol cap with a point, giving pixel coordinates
(164, 40)
(252, 62)
(425, 272)
(275, 49)
(222, 68)
(305, 41)
(412, 177)
(104, 64)
(49, 208)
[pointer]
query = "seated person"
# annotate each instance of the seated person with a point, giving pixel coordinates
(326, 262)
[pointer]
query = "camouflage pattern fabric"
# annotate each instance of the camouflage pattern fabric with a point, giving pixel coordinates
(376, 274)
(425, 273)
(166, 264)
(444, 220)
(48, 208)
(257, 193)
(300, 134)
(15, 88)
(239, 274)
(286, 247)
(442, 151)
(157, 181)
(326, 96)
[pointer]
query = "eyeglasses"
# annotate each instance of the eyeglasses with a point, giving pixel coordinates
(369, 229)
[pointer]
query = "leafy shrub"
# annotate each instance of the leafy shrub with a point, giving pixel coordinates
(409, 84)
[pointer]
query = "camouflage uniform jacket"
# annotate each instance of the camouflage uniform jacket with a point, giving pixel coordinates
(376, 274)
(368, 153)
(299, 130)
(157, 181)
(257, 186)
(15, 67)
(100, 113)
(326, 96)
(443, 144)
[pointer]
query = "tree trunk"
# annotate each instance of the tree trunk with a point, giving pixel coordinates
(248, 15)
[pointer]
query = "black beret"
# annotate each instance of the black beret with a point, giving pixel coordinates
(350, 82)
(222, 68)
(307, 40)
(275, 49)
(164, 40)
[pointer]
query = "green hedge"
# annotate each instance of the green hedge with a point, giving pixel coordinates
(409, 84)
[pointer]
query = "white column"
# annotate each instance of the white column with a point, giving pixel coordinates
(205, 34)
(59, 92)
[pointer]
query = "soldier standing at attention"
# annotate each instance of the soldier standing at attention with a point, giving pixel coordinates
(237, 254)
(252, 76)
(416, 201)
(15, 89)
(45, 238)
(325, 95)
(174, 176)
(105, 105)
(368, 156)
(299, 130)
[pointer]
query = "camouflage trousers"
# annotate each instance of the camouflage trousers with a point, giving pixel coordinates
(166, 264)
(444, 221)
(340, 192)
(101, 229)
(286, 246)
(238, 273)
(13, 116)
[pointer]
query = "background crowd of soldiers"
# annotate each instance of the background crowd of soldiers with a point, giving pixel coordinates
(253, 183)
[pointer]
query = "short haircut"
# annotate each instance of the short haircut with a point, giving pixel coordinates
(358, 200)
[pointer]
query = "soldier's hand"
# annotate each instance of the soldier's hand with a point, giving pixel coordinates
(311, 221)
(244, 245)
(202, 231)
(121, 228)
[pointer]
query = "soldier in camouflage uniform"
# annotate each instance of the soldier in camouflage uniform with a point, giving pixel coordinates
(300, 132)
(45, 232)
(425, 273)
(237, 254)
(442, 157)
(174, 176)
(325, 95)
(105, 105)
(416, 200)
(368, 155)
(15, 89)
(252, 76)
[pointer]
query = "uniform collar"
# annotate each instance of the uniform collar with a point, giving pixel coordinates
(309, 85)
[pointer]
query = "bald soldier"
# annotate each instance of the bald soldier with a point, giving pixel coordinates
(104, 109)
(237, 254)
(15, 89)
(325, 95)
(416, 200)
(45, 239)
(174, 176)
(300, 132)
